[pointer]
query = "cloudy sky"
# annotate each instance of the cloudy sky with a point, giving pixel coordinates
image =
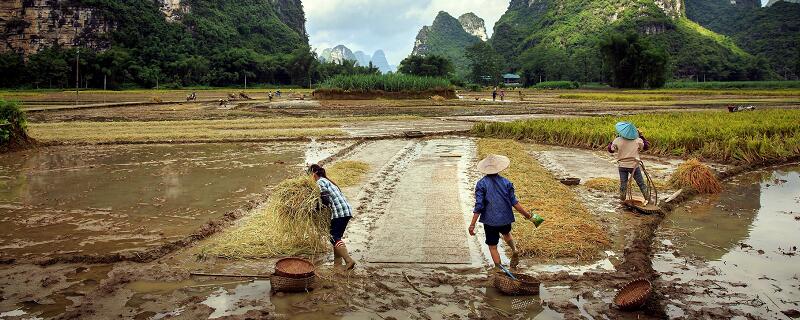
(391, 25)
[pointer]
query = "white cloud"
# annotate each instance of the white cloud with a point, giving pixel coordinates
(391, 25)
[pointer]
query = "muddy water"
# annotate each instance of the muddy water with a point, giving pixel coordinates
(741, 244)
(105, 199)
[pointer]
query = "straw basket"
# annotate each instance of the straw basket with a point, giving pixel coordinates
(295, 268)
(524, 285)
(633, 295)
(285, 284)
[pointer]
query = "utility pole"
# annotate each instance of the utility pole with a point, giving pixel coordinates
(77, 79)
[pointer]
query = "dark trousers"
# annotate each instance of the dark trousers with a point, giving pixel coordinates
(337, 229)
(624, 174)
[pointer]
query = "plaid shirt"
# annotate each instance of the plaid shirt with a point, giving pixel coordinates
(334, 197)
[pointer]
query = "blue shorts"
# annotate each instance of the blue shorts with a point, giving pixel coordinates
(493, 233)
(337, 229)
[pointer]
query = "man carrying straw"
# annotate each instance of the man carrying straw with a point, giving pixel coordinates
(494, 200)
(627, 145)
(341, 212)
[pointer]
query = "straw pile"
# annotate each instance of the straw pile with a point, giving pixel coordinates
(289, 224)
(696, 175)
(569, 231)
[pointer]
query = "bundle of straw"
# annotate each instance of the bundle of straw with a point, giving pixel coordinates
(289, 224)
(696, 175)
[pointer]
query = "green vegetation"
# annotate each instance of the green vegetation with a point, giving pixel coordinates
(447, 38)
(718, 136)
(770, 33)
(569, 230)
(13, 125)
(387, 82)
(616, 97)
(543, 41)
(734, 85)
(634, 62)
(557, 85)
(486, 66)
(428, 66)
(214, 43)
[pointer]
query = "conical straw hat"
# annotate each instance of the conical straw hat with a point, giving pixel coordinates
(493, 164)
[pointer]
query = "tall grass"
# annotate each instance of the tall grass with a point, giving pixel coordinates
(385, 82)
(719, 136)
(557, 85)
(734, 85)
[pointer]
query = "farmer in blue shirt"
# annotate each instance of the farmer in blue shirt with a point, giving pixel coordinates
(494, 200)
(341, 212)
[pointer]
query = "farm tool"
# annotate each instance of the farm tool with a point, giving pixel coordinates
(648, 204)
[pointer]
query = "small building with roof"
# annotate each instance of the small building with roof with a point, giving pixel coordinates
(512, 80)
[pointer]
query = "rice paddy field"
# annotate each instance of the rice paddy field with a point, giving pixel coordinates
(745, 137)
(133, 208)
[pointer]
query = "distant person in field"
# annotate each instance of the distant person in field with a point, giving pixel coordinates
(341, 212)
(494, 94)
(494, 203)
(627, 146)
(502, 94)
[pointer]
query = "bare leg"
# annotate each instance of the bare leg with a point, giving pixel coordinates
(511, 246)
(495, 255)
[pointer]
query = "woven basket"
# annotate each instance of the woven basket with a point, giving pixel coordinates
(633, 295)
(297, 268)
(285, 284)
(524, 285)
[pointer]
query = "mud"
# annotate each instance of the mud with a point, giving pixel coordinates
(747, 266)
(105, 204)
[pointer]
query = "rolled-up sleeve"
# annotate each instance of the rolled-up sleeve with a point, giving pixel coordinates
(480, 197)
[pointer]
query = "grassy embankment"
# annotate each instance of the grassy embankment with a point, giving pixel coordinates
(569, 231)
(289, 224)
(389, 83)
(743, 137)
(194, 130)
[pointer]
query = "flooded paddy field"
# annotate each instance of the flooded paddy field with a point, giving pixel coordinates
(409, 236)
(110, 199)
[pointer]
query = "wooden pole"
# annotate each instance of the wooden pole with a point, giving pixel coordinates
(77, 79)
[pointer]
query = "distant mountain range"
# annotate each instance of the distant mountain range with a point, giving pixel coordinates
(340, 53)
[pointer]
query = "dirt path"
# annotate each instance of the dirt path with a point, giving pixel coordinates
(423, 222)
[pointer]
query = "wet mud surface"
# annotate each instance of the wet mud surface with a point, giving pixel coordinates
(417, 261)
(735, 254)
(111, 199)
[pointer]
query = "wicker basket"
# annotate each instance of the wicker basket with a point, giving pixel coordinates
(524, 285)
(633, 295)
(296, 268)
(285, 284)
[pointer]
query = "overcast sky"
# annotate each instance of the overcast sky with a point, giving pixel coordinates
(391, 25)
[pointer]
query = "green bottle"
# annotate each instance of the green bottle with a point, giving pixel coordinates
(537, 219)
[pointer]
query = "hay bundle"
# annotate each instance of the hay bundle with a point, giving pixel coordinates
(289, 224)
(696, 175)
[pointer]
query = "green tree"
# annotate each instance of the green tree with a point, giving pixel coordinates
(428, 66)
(634, 62)
(486, 64)
(12, 67)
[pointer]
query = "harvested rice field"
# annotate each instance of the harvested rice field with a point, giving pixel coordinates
(137, 209)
